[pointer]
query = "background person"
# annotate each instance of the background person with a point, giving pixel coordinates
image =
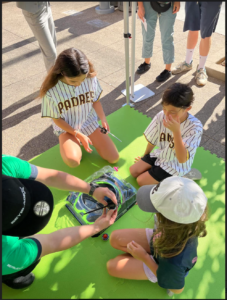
(39, 18)
(199, 16)
(166, 13)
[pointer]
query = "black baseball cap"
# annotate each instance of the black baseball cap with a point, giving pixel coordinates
(27, 206)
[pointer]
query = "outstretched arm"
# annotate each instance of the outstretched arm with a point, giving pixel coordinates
(64, 181)
(68, 237)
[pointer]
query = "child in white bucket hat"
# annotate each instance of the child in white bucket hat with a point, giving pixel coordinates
(167, 254)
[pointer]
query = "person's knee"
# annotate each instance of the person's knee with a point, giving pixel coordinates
(114, 238)
(139, 181)
(133, 172)
(111, 267)
(72, 162)
(114, 159)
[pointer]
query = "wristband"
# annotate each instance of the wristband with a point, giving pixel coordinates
(76, 132)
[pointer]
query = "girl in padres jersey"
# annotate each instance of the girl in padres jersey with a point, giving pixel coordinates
(70, 96)
(177, 134)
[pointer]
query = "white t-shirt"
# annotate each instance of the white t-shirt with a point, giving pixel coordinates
(157, 134)
(73, 104)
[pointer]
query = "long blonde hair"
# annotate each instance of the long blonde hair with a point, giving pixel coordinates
(70, 63)
(170, 238)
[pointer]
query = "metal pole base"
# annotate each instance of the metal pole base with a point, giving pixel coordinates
(130, 104)
(141, 93)
(101, 11)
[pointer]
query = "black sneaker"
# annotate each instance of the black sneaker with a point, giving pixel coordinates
(144, 67)
(20, 282)
(164, 76)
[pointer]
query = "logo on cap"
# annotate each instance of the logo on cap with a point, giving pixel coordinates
(41, 208)
(155, 188)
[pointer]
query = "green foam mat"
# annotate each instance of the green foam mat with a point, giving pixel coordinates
(80, 272)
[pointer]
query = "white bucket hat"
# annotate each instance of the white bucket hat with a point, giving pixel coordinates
(178, 199)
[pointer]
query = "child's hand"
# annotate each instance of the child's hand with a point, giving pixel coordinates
(105, 125)
(137, 251)
(106, 219)
(138, 158)
(171, 124)
(85, 142)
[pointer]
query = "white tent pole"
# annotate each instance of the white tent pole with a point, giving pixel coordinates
(133, 44)
(126, 31)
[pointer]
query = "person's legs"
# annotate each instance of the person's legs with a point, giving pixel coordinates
(146, 179)
(127, 267)
(166, 24)
(191, 24)
(139, 167)
(70, 149)
(120, 238)
(42, 26)
(148, 37)
(124, 265)
(209, 15)
(104, 146)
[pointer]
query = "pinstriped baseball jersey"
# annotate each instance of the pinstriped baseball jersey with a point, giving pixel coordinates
(72, 104)
(157, 134)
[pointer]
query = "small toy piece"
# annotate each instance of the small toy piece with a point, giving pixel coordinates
(116, 168)
(105, 236)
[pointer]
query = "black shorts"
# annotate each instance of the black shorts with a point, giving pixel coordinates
(155, 171)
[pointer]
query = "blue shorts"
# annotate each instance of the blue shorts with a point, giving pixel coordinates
(202, 16)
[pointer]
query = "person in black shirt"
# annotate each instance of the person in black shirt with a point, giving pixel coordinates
(165, 254)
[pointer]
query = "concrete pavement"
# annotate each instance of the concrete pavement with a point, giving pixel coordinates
(26, 135)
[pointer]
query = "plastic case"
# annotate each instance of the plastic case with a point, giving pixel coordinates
(80, 203)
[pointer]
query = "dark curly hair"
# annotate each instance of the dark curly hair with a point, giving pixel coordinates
(178, 95)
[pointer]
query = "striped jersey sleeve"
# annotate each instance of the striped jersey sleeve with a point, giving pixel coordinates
(192, 139)
(97, 89)
(49, 108)
(151, 132)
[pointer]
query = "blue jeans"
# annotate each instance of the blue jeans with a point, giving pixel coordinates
(166, 23)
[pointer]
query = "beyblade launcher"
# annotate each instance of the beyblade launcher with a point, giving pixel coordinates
(81, 204)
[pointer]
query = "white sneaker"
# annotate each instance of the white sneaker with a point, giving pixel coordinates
(201, 76)
(182, 67)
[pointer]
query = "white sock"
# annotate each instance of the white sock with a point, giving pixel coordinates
(202, 61)
(189, 55)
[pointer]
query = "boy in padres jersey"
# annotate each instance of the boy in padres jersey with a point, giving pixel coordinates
(70, 96)
(177, 134)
